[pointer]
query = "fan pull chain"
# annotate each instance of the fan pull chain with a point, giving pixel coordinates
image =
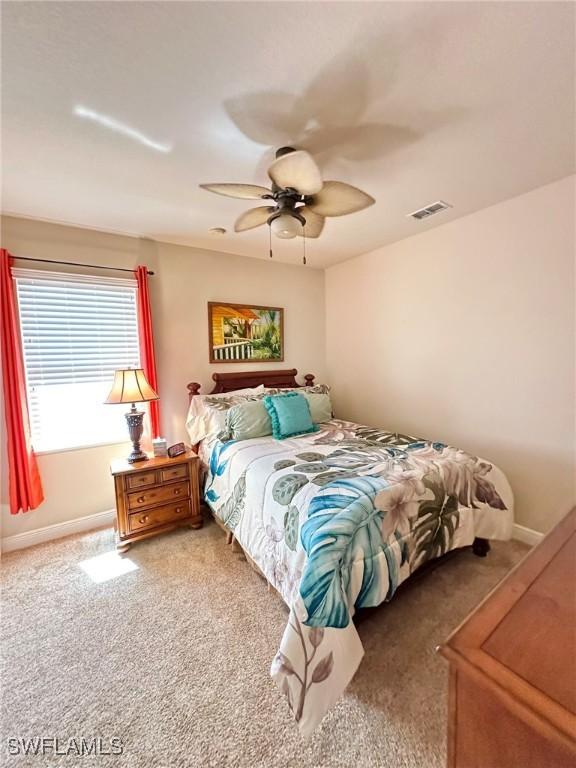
(304, 243)
(270, 239)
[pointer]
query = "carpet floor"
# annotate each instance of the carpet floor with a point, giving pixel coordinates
(172, 657)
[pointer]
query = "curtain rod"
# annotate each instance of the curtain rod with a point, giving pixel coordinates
(76, 264)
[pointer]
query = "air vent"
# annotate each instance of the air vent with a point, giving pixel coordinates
(430, 210)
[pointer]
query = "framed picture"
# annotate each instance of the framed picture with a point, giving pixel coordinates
(240, 333)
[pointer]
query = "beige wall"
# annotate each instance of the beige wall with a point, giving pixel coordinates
(77, 483)
(465, 333)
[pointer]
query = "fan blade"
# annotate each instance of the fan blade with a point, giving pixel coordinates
(314, 223)
(255, 217)
(339, 199)
(243, 191)
(297, 170)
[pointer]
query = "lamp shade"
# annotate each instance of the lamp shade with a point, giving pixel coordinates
(130, 386)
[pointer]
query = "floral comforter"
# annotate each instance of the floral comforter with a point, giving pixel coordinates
(336, 520)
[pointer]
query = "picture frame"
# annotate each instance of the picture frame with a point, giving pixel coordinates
(245, 333)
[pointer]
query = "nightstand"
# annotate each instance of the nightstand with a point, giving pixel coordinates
(155, 496)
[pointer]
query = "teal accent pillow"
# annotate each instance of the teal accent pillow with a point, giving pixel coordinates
(320, 406)
(247, 420)
(289, 414)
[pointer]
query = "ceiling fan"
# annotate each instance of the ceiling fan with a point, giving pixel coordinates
(299, 199)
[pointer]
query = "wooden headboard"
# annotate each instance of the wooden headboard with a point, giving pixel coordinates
(228, 382)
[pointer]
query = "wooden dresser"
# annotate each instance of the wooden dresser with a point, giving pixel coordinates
(512, 697)
(155, 496)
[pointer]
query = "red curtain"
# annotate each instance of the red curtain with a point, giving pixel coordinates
(146, 333)
(23, 476)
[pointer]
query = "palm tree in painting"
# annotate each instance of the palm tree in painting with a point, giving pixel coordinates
(267, 343)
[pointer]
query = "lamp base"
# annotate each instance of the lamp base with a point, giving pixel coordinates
(136, 455)
(135, 420)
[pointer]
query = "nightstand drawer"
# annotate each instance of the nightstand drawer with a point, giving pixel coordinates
(141, 479)
(174, 473)
(159, 494)
(151, 518)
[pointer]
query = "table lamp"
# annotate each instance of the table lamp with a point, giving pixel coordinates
(130, 386)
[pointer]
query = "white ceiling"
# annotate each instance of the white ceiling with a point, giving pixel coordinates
(471, 103)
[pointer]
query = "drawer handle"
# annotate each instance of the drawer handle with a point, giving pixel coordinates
(178, 510)
(176, 491)
(144, 519)
(141, 499)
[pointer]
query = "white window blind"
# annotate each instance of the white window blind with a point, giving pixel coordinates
(76, 331)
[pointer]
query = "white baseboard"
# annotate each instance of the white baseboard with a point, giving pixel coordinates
(527, 535)
(58, 530)
(102, 519)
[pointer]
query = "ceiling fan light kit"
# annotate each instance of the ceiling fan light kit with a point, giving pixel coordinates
(285, 226)
(299, 198)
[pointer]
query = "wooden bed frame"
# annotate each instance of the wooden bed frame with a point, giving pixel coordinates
(229, 382)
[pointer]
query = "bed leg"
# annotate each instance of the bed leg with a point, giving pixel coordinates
(229, 537)
(481, 547)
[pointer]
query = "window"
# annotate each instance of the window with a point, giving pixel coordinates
(76, 331)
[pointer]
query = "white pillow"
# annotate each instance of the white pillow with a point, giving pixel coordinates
(238, 392)
(207, 413)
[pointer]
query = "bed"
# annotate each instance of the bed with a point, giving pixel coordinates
(336, 520)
